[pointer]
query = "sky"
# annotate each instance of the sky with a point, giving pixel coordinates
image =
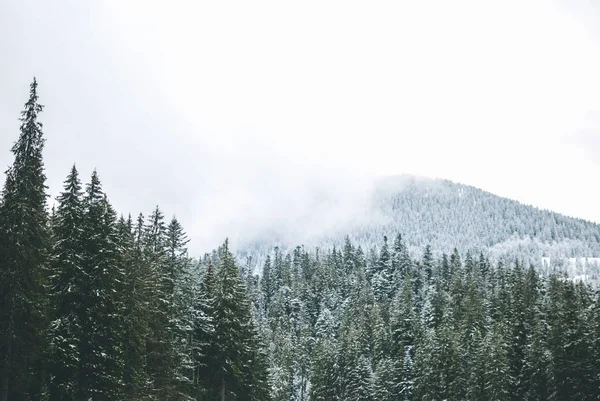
(239, 115)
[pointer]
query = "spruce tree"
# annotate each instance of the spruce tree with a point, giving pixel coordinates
(324, 374)
(266, 282)
(360, 386)
(24, 241)
(101, 360)
(496, 371)
(236, 373)
(137, 297)
(383, 274)
(206, 356)
(67, 282)
(536, 365)
(386, 384)
(159, 362)
(179, 289)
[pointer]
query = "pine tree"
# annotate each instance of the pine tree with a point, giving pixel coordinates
(266, 282)
(383, 275)
(428, 263)
(236, 336)
(67, 279)
(439, 367)
(324, 375)
(595, 346)
(406, 386)
(496, 371)
(404, 322)
(257, 368)
(361, 381)
(400, 261)
(101, 359)
(24, 242)
(179, 287)
(536, 365)
(159, 361)
(206, 357)
(137, 297)
(385, 380)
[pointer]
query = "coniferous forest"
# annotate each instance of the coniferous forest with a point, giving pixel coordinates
(100, 306)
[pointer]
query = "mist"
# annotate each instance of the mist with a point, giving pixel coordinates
(250, 120)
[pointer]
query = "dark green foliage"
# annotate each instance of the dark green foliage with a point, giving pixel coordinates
(240, 368)
(67, 281)
(324, 375)
(207, 355)
(100, 354)
(137, 297)
(24, 243)
(119, 311)
(445, 330)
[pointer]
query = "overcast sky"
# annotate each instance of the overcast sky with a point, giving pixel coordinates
(229, 114)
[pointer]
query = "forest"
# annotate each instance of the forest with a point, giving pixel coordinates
(100, 306)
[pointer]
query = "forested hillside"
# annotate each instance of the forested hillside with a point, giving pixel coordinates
(446, 215)
(97, 306)
(345, 325)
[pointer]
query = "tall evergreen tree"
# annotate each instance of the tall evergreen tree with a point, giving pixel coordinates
(101, 361)
(137, 297)
(235, 335)
(67, 279)
(382, 278)
(324, 373)
(206, 357)
(159, 360)
(24, 241)
(179, 289)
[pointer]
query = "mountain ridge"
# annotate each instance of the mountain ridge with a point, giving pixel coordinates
(445, 215)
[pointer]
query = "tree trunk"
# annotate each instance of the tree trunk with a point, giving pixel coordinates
(222, 390)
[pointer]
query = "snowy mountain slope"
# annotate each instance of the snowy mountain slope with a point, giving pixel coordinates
(446, 215)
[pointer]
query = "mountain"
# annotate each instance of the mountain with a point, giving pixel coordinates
(441, 213)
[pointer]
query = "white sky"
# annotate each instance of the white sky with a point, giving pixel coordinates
(224, 113)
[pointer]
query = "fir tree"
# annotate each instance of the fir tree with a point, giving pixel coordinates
(383, 275)
(206, 358)
(159, 361)
(361, 381)
(24, 242)
(266, 282)
(235, 333)
(68, 280)
(101, 360)
(324, 375)
(137, 297)
(178, 287)
(386, 385)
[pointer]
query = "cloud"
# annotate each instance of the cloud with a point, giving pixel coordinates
(239, 116)
(588, 138)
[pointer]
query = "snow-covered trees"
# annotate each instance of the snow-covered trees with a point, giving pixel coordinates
(66, 285)
(95, 307)
(24, 243)
(120, 311)
(455, 328)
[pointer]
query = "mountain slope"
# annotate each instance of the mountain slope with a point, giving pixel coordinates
(445, 215)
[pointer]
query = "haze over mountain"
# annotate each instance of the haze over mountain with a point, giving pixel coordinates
(281, 124)
(435, 212)
(223, 114)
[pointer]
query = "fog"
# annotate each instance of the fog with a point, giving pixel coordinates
(238, 117)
